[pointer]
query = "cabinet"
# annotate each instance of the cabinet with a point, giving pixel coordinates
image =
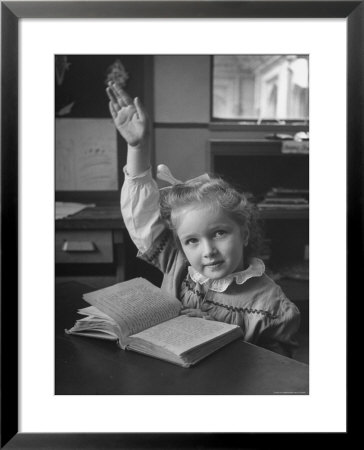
(255, 167)
(91, 246)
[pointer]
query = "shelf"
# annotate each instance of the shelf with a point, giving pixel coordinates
(284, 213)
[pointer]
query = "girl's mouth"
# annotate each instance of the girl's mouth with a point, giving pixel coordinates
(214, 265)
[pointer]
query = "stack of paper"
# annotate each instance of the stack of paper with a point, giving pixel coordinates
(65, 209)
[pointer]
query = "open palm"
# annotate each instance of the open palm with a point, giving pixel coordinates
(129, 124)
(129, 116)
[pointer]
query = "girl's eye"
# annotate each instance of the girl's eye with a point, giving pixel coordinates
(191, 241)
(220, 233)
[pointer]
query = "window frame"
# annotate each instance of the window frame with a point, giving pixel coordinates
(266, 125)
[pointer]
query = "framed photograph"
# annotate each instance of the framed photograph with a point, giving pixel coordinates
(32, 33)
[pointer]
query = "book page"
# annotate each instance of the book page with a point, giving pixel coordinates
(183, 333)
(94, 312)
(134, 305)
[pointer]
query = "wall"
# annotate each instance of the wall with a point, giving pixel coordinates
(181, 86)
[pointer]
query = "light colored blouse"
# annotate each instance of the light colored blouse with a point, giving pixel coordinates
(248, 298)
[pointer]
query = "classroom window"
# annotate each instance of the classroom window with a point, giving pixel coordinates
(260, 88)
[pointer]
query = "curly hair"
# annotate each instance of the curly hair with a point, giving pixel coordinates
(218, 193)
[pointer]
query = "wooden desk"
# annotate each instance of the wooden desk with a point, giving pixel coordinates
(92, 366)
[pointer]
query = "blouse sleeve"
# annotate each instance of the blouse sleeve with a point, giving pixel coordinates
(141, 213)
(280, 335)
(139, 204)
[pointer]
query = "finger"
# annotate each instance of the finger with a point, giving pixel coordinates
(190, 314)
(118, 104)
(194, 314)
(122, 95)
(111, 95)
(115, 96)
(140, 109)
(113, 110)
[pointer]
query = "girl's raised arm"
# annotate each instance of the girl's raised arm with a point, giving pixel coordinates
(132, 122)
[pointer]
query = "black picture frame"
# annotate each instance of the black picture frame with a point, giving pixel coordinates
(11, 12)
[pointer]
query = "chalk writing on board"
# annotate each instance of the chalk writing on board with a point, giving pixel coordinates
(86, 155)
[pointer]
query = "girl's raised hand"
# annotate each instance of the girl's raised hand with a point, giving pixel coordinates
(129, 115)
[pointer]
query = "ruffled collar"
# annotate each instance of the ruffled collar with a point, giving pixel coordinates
(256, 269)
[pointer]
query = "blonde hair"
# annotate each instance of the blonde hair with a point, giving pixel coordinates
(218, 193)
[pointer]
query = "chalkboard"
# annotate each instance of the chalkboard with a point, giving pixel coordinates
(80, 82)
(89, 153)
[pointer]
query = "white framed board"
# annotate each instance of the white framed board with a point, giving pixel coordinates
(86, 155)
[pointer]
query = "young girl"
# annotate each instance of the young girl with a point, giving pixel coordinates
(202, 235)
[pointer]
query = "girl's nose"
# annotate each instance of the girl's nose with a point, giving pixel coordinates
(209, 249)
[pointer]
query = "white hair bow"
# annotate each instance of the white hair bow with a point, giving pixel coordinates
(163, 173)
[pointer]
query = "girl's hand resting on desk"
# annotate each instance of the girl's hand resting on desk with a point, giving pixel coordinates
(129, 115)
(191, 312)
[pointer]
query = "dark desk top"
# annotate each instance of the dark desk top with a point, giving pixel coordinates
(92, 366)
(98, 217)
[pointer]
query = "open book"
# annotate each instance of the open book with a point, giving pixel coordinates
(141, 317)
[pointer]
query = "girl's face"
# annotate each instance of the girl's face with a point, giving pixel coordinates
(212, 242)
